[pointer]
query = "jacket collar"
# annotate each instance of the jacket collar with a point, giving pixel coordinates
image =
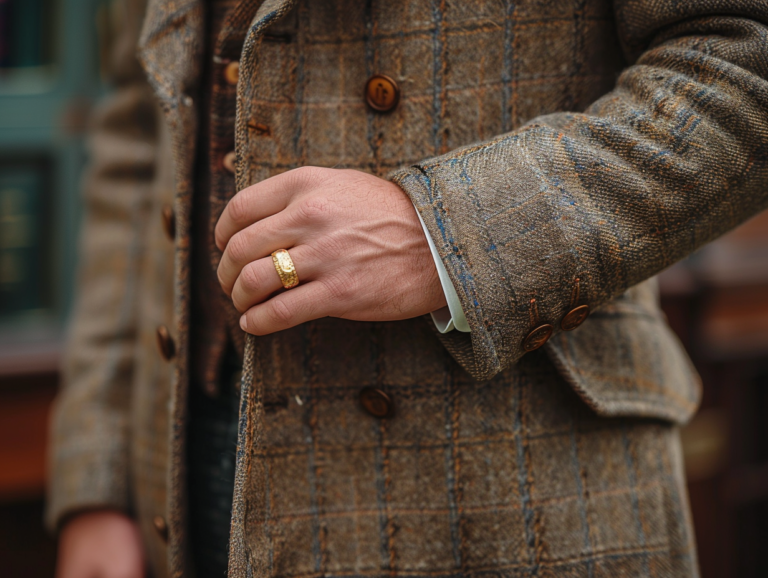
(172, 43)
(171, 47)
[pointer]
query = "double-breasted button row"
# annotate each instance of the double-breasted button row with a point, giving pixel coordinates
(165, 343)
(232, 73)
(376, 402)
(382, 93)
(541, 334)
(228, 161)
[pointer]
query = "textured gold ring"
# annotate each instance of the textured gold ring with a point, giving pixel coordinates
(285, 268)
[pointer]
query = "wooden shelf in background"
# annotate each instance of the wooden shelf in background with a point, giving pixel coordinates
(25, 404)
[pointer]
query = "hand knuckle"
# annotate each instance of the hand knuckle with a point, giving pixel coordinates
(249, 278)
(308, 173)
(238, 208)
(314, 209)
(339, 287)
(248, 284)
(220, 276)
(238, 248)
(218, 237)
(312, 175)
(297, 177)
(240, 304)
(280, 312)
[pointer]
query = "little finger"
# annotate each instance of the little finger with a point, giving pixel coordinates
(288, 309)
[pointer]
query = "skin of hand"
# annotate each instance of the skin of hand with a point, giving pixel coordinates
(100, 544)
(355, 239)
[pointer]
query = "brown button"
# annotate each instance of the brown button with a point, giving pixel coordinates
(232, 72)
(169, 222)
(165, 343)
(161, 527)
(376, 402)
(574, 318)
(228, 162)
(537, 337)
(382, 93)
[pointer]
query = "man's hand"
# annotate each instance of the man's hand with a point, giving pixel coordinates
(100, 544)
(355, 239)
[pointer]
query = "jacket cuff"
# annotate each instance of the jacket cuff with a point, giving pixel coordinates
(85, 479)
(502, 296)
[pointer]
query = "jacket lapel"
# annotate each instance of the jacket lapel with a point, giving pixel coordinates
(171, 46)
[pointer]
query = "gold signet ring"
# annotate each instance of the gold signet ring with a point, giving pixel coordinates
(285, 268)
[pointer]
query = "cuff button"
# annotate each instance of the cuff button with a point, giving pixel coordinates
(574, 318)
(537, 337)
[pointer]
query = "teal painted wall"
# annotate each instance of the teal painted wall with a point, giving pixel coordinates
(49, 79)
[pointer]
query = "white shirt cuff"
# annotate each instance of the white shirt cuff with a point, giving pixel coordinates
(452, 316)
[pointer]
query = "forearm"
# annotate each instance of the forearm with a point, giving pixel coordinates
(90, 429)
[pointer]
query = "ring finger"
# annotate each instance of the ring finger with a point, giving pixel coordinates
(259, 279)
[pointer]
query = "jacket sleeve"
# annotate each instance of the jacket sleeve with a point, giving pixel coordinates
(90, 423)
(575, 208)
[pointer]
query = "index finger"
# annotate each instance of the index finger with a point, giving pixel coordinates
(257, 202)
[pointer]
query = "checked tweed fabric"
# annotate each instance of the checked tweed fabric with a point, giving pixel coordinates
(514, 477)
(560, 153)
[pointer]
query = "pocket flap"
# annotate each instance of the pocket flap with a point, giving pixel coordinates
(625, 361)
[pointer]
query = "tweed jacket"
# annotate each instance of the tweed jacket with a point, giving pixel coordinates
(560, 155)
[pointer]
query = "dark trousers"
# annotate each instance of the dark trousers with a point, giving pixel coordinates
(211, 449)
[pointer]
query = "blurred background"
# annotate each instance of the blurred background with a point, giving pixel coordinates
(50, 76)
